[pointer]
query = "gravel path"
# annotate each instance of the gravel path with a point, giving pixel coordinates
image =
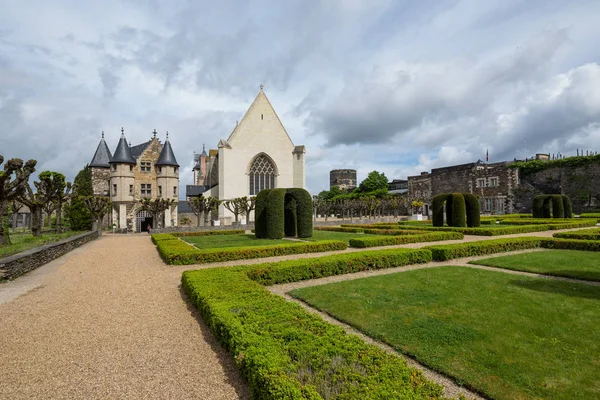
(109, 322)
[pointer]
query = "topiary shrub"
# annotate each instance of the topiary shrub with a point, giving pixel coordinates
(567, 206)
(437, 209)
(290, 217)
(304, 212)
(473, 210)
(260, 214)
(459, 211)
(547, 207)
(558, 210)
(275, 214)
(449, 209)
(538, 206)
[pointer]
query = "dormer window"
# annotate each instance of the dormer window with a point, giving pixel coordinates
(158, 170)
(145, 166)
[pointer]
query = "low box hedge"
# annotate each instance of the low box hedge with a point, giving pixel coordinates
(392, 232)
(470, 249)
(571, 244)
(338, 264)
(339, 229)
(210, 233)
(404, 239)
(157, 237)
(371, 226)
(483, 231)
(590, 215)
(285, 352)
(546, 221)
(180, 253)
(584, 234)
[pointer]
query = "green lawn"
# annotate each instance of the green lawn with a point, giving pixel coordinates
(569, 263)
(510, 337)
(219, 241)
(26, 241)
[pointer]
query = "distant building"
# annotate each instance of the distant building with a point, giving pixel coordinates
(343, 179)
(398, 186)
(148, 170)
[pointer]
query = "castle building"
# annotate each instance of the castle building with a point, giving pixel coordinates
(343, 179)
(148, 170)
(258, 154)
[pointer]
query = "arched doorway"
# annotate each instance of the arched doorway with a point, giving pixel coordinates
(143, 220)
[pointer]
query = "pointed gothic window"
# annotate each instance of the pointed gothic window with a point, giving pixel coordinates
(262, 175)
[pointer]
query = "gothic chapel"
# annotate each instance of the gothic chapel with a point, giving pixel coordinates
(259, 154)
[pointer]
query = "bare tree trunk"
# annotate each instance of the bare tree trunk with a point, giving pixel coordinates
(198, 216)
(36, 221)
(99, 225)
(4, 234)
(58, 217)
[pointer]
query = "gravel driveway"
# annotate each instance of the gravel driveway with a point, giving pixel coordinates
(109, 321)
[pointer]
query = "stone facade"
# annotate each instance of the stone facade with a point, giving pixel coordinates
(343, 179)
(19, 264)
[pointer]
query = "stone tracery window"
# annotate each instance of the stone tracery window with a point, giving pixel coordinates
(262, 175)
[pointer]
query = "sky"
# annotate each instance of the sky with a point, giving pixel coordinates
(389, 85)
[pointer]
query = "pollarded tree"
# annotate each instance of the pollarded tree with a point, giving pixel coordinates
(35, 202)
(156, 208)
(396, 203)
(54, 187)
(199, 206)
(11, 188)
(235, 206)
(212, 203)
(98, 207)
(15, 207)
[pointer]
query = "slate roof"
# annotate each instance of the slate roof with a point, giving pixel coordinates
(194, 190)
(122, 153)
(167, 157)
(102, 156)
(137, 151)
(184, 207)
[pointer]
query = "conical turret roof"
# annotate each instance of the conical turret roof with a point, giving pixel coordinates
(123, 152)
(167, 157)
(102, 155)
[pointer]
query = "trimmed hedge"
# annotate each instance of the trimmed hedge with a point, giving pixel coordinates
(275, 214)
(338, 229)
(460, 250)
(158, 237)
(337, 264)
(571, 244)
(538, 206)
(584, 234)
(304, 211)
(210, 233)
(459, 210)
(285, 352)
(260, 214)
(395, 240)
(555, 223)
(558, 210)
(178, 252)
(437, 209)
(290, 218)
(509, 230)
(371, 226)
(568, 206)
(392, 232)
(473, 210)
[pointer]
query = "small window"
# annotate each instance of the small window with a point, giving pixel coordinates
(493, 181)
(158, 170)
(114, 167)
(146, 166)
(174, 191)
(131, 190)
(114, 189)
(261, 116)
(160, 191)
(480, 182)
(131, 168)
(146, 190)
(488, 204)
(175, 169)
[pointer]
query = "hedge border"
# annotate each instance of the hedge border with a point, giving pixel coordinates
(274, 341)
(584, 234)
(338, 229)
(404, 239)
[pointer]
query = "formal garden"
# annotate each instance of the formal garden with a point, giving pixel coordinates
(490, 322)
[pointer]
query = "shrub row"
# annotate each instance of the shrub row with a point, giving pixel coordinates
(338, 229)
(286, 352)
(460, 250)
(471, 249)
(584, 234)
(371, 226)
(177, 252)
(210, 233)
(157, 237)
(590, 215)
(509, 230)
(552, 221)
(392, 232)
(394, 240)
(338, 264)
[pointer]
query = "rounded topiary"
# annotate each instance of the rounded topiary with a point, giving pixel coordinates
(304, 212)
(260, 214)
(437, 209)
(459, 210)
(473, 210)
(449, 209)
(568, 207)
(547, 207)
(275, 214)
(290, 217)
(558, 210)
(537, 207)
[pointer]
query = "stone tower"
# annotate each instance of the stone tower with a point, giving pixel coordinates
(122, 179)
(167, 179)
(100, 168)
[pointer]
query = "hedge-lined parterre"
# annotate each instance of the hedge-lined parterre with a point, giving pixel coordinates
(339, 229)
(178, 252)
(584, 234)
(392, 240)
(471, 249)
(508, 229)
(285, 352)
(392, 232)
(210, 233)
(371, 226)
(575, 222)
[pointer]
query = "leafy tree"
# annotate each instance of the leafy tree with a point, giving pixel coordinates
(156, 208)
(55, 189)
(98, 207)
(11, 188)
(79, 214)
(35, 202)
(211, 204)
(330, 194)
(374, 181)
(235, 206)
(397, 203)
(247, 204)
